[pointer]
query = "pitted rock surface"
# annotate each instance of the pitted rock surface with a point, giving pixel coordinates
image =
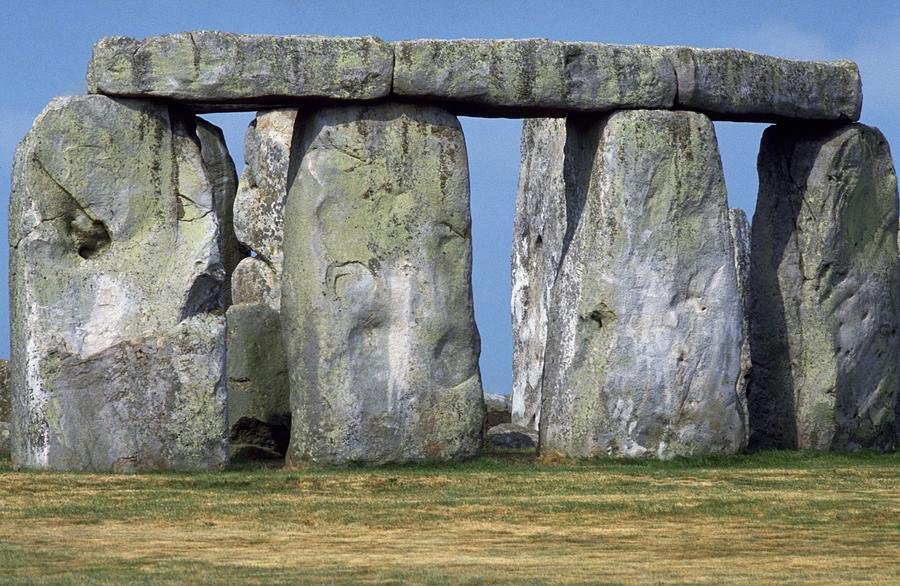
(538, 231)
(118, 286)
(644, 337)
(824, 290)
(377, 311)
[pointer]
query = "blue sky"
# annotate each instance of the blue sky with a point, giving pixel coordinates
(45, 46)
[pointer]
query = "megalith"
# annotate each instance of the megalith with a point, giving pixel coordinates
(538, 230)
(645, 330)
(118, 287)
(258, 392)
(377, 311)
(824, 290)
(740, 234)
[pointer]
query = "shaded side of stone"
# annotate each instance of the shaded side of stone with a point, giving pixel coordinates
(644, 335)
(512, 436)
(740, 234)
(117, 290)
(377, 310)
(824, 290)
(5, 392)
(731, 84)
(258, 395)
(216, 69)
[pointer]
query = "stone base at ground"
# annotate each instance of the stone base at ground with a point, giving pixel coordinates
(512, 436)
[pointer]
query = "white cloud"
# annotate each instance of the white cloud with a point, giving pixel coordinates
(783, 39)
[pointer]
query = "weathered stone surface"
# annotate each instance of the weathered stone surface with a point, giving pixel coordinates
(259, 205)
(533, 75)
(731, 84)
(256, 281)
(117, 289)
(5, 392)
(824, 292)
(512, 436)
(644, 335)
(496, 410)
(376, 306)
(5, 436)
(258, 393)
(538, 231)
(740, 234)
(219, 71)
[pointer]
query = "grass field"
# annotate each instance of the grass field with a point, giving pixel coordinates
(761, 518)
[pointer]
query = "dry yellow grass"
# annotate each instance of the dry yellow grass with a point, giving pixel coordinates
(761, 518)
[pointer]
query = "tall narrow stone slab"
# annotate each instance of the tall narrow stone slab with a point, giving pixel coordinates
(644, 336)
(538, 231)
(117, 287)
(824, 290)
(218, 71)
(377, 311)
(740, 234)
(258, 395)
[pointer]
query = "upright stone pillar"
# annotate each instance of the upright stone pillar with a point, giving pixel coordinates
(117, 286)
(376, 306)
(538, 231)
(645, 330)
(824, 294)
(258, 394)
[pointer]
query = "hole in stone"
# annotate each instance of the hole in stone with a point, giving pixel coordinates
(739, 147)
(88, 236)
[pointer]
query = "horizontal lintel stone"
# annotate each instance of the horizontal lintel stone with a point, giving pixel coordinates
(730, 84)
(536, 74)
(210, 67)
(215, 71)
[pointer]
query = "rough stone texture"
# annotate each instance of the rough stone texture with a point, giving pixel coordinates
(740, 234)
(5, 397)
(377, 307)
(219, 71)
(824, 296)
(731, 84)
(259, 205)
(644, 336)
(538, 231)
(258, 391)
(5, 437)
(533, 75)
(512, 436)
(496, 409)
(117, 289)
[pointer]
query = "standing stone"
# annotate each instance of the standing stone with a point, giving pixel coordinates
(117, 289)
(824, 295)
(5, 407)
(258, 392)
(376, 306)
(644, 336)
(539, 227)
(740, 234)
